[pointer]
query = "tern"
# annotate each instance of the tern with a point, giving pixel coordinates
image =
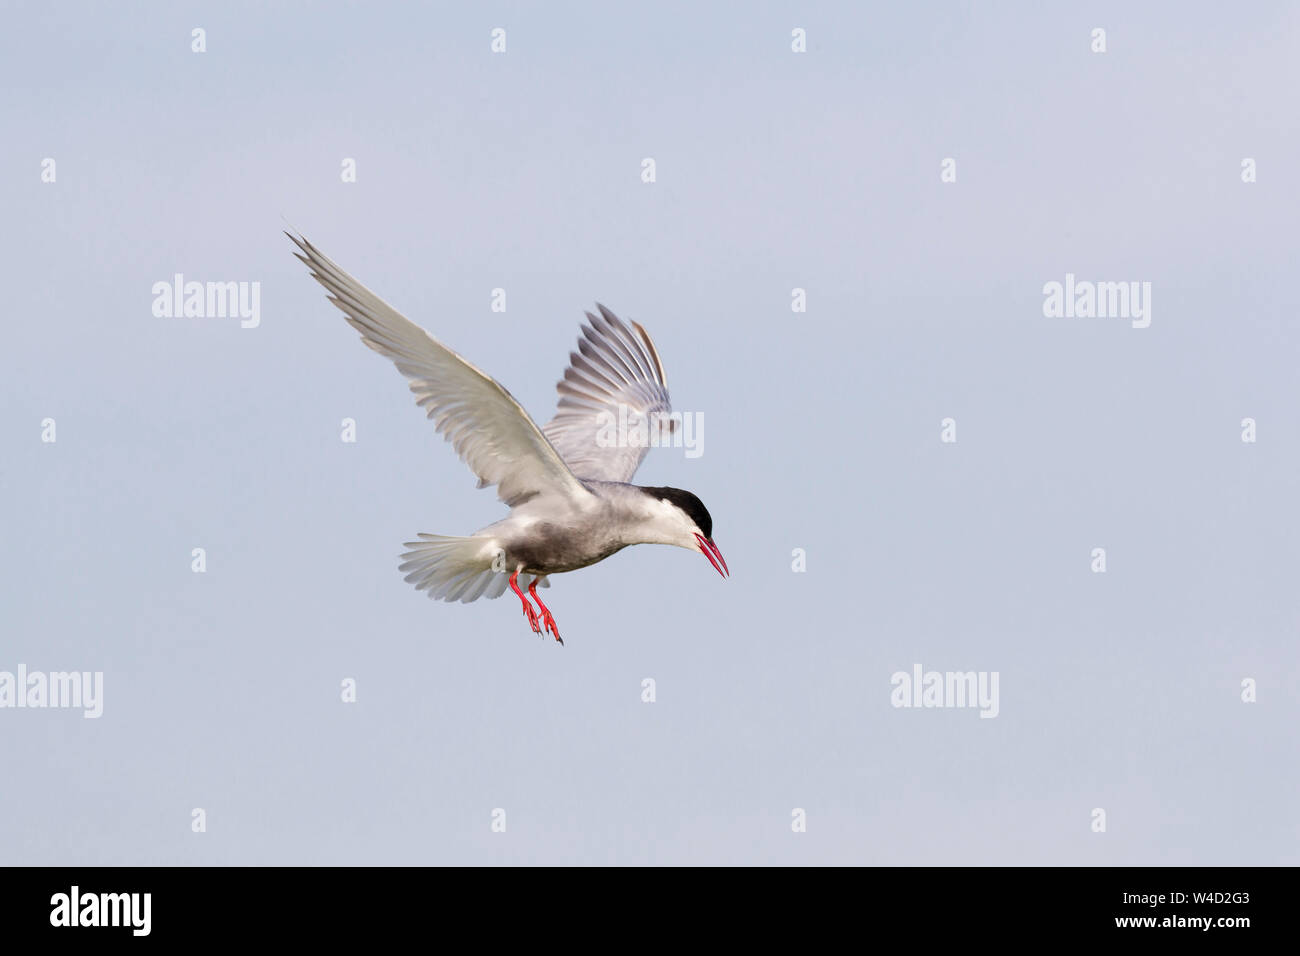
(566, 484)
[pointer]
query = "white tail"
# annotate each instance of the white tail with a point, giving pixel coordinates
(458, 569)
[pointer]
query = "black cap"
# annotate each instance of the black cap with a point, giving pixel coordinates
(692, 505)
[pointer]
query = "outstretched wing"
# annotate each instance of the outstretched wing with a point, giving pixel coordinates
(489, 429)
(613, 400)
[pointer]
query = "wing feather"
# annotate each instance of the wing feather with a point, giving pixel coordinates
(489, 429)
(615, 367)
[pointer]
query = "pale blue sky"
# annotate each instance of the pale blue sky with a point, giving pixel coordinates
(775, 170)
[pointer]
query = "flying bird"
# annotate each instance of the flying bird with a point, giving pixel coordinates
(569, 493)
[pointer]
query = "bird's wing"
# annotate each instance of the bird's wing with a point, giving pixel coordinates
(489, 429)
(613, 400)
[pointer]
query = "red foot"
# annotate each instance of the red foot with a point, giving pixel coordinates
(546, 614)
(528, 608)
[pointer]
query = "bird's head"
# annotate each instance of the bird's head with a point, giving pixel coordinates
(681, 519)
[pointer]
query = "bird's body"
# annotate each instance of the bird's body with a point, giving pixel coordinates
(567, 485)
(542, 542)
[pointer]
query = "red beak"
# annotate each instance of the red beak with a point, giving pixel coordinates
(711, 552)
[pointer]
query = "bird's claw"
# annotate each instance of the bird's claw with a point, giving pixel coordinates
(533, 620)
(550, 626)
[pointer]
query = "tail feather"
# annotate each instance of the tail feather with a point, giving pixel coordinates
(458, 569)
